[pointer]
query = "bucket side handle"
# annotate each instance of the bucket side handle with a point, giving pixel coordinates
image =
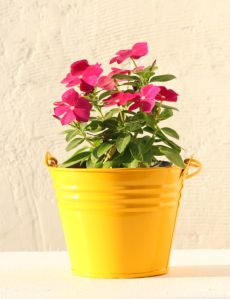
(50, 161)
(191, 163)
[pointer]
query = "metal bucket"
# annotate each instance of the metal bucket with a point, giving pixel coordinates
(119, 223)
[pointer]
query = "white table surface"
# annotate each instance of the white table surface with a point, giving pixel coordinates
(194, 274)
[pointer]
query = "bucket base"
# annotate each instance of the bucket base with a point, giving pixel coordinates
(121, 275)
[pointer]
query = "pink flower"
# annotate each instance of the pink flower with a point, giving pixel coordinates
(116, 70)
(78, 67)
(119, 98)
(71, 80)
(146, 98)
(106, 82)
(137, 51)
(166, 95)
(84, 74)
(72, 107)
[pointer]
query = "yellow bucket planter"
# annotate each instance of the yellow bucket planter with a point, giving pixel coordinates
(119, 223)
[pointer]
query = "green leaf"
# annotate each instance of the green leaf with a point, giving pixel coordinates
(146, 143)
(94, 163)
(111, 113)
(105, 94)
(132, 83)
(133, 125)
(133, 164)
(94, 126)
(125, 77)
(74, 143)
(173, 156)
(166, 113)
(148, 156)
(135, 151)
(110, 123)
(159, 104)
(111, 164)
(149, 130)
(97, 141)
(71, 135)
(157, 149)
(122, 142)
(162, 78)
(150, 120)
(170, 132)
(108, 164)
(125, 157)
(67, 131)
(76, 158)
(169, 142)
(102, 149)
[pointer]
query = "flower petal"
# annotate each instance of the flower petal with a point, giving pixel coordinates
(74, 82)
(82, 114)
(59, 110)
(112, 60)
(116, 70)
(90, 80)
(126, 97)
(68, 118)
(150, 91)
(70, 97)
(166, 95)
(67, 78)
(147, 106)
(86, 87)
(78, 67)
(139, 50)
(106, 83)
(135, 105)
(83, 104)
(93, 70)
(121, 56)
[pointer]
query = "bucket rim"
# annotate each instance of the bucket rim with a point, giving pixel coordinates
(114, 170)
(52, 165)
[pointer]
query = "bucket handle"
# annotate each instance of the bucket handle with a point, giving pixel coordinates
(50, 161)
(191, 163)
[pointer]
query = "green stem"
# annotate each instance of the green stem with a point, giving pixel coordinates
(85, 136)
(99, 110)
(134, 62)
(110, 153)
(121, 115)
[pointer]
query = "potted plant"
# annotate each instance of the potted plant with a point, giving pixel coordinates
(119, 192)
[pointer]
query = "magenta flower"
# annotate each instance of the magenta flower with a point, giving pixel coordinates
(72, 107)
(106, 82)
(146, 98)
(78, 67)
(71, 80)
(116, 70)
(119, 98)
(137, 51)
(166, 95)
(84, 74)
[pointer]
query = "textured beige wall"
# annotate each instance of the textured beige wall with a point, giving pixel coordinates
(39, 39)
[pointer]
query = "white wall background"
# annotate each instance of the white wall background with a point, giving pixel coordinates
(38, 41)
